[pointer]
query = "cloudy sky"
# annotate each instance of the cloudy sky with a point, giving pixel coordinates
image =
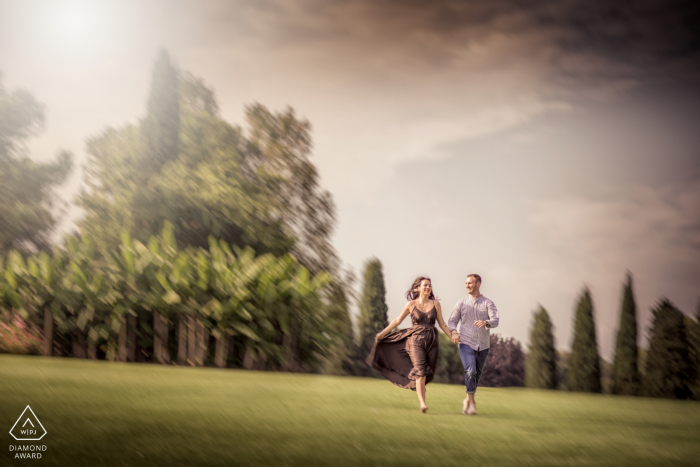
(547, 148)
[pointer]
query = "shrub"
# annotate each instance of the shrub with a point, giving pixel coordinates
(18, 337)
(505, 365)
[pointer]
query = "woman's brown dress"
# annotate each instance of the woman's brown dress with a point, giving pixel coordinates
(405, 355)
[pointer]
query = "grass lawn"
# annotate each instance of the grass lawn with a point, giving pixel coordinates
(99, 413)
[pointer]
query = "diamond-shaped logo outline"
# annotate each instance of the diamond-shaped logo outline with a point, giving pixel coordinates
(20, 418)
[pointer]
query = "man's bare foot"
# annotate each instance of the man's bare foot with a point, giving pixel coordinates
(465, 406)
(471, 410)
(424, 408)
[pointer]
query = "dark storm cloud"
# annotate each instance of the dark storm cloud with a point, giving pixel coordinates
(646, 32)
(649, 40)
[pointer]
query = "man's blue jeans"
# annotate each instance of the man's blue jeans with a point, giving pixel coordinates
(473, 362)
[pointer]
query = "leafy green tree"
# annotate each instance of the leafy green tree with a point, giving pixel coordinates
(232, 292)
(541, 362)
(668, 369)
(158, 294)
(271, 306)
(280, 146)
(297, 338)
(214, 188)
(308, 340)
(93, 305)
(626, 380)
(15, 290)
(111, 185)
(43, 293)
(506, 363)
(373, 309)
(26, 199)
(233, 281)
(341, 359)
(584, 363)
(182, 164)
(33, 297)
(10, 299)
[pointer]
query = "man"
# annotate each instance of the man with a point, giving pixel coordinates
(476, 315)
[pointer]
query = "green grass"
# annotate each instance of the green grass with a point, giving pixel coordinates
(99, 413)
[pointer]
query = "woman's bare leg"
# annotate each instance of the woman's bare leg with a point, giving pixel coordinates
(420, 389)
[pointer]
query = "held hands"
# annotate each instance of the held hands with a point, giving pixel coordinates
(454, 337)
(480, 324)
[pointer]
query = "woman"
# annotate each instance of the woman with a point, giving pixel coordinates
(408, 357)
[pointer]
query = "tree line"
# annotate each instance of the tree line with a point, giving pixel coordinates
(208, 243)
(671, 368)
(222, 305)
(227, 196)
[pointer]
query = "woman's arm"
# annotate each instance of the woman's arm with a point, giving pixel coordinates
(406, 310)
(441, 322)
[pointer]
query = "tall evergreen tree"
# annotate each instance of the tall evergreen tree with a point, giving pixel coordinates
(160, 134)
(694, 338)
(668, 370)
(584, 363)
(26, 201)
(626, 380)
(373, 309)
(541, 362)
(161, 128)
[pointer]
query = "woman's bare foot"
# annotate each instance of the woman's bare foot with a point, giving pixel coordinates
(423, 408)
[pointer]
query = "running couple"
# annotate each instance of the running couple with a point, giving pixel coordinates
(408, 357)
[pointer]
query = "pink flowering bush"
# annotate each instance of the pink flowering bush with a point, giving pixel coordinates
(19, 337)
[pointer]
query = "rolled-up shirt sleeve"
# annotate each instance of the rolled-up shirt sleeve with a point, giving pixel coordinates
(455, 317)
(493, 314)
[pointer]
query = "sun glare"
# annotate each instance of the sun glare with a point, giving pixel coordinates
(74, 19)
(77, 29)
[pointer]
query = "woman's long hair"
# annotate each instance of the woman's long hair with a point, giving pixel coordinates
(414, 291)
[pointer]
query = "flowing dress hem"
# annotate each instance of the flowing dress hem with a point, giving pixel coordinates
(404, 379)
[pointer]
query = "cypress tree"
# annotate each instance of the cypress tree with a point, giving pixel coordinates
(668, 370)
(626, 380)
(541, 362)
(373, 309)
(694, 338)
(584, 363)
(161, 128)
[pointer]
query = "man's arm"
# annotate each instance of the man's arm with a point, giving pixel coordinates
(492, 322)
(455, 318)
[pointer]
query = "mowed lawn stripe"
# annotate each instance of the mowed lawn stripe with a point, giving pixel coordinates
(100, 413)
